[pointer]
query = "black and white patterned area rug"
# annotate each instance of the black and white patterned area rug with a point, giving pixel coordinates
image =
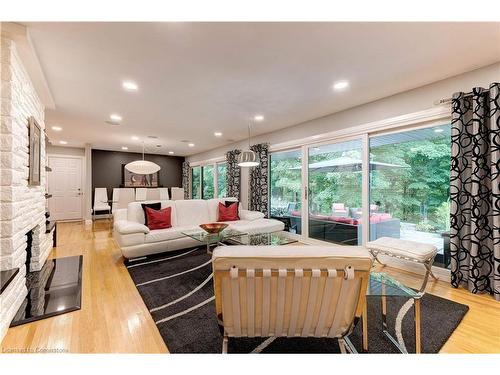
(178, 291)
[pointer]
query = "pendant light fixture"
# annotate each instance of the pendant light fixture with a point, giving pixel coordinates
(142, 166)
(248, 158)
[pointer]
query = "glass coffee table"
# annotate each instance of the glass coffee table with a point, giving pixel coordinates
(267, 239)
(384, 286)
(213, 239)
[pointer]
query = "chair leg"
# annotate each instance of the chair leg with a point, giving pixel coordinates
(342, 347)
(225, 342)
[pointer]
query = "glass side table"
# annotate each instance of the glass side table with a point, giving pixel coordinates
(212, 239)
(384, 286)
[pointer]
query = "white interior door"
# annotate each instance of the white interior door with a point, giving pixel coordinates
(65, 185)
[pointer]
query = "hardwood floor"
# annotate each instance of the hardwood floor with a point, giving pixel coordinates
(114, 319)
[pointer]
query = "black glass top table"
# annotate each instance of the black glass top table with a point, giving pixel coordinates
(384, 286)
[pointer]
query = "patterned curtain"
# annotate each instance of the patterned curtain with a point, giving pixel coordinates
(259, 197)
(233, 177)
(186, 177)
(475, 191)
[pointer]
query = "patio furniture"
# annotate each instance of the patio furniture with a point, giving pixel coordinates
(339, 209)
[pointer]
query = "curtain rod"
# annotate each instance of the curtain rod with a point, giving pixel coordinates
(448, 100)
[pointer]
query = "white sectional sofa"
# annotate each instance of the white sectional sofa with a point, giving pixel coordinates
(135, 239)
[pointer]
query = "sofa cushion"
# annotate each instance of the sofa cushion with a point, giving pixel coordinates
(251, 215)
(192, 212)
(154, 206)
(158, 219)
(136, 213)
(257, 226)
(228, 213)
(213, 207)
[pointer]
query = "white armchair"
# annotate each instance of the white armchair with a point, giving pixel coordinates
(291, 291)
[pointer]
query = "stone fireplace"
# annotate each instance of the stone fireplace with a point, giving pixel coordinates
(22, 214)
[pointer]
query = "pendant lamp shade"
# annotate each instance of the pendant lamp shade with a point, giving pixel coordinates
(142, 166)
(248, 158)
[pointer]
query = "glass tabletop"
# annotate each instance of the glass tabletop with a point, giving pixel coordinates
(272, 239)
(381, 284)
(212, 238)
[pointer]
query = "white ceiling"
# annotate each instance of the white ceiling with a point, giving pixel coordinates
(197, 78)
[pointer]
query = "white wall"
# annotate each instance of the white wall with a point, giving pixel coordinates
(415, 100)
(62, 150)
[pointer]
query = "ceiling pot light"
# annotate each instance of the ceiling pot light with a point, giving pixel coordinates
(258, 117)
(124, 148)
(248, 158)
(218, 134)
(115, 118)
(171, 152)
(63, 142)
(134, 138)
(341, 85)
(130, 86)
(142, 166)
(191, 144)
(56, 128)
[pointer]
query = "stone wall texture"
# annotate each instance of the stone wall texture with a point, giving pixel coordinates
(22, 207)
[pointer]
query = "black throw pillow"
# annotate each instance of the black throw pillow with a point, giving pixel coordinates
(154, 206)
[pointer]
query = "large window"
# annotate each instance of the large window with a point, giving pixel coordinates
(410, 187)
(335, 176)
(196, 182)
(285, 188)
(221, 180)
(208, 181)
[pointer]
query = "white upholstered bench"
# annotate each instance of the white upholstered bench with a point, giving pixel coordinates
(407, 250)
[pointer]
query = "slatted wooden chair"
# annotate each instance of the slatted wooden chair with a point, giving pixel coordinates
(291, 291)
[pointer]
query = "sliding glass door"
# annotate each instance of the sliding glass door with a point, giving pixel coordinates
(208, 182)
(221, 180)
(410, 187)
(335, 192)
(196, 182)
(285, 188)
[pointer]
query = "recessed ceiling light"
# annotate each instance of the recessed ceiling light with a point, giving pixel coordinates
(124, 148)
(341, 85)
(114, 117)
(171, 152)
(57, 128)
(439, 130)
(218, 134)
(134, 138)
(63, 142)
(130, 86)
(258, 117)
(191, 144)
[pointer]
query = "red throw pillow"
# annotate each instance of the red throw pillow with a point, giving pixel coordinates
(159, 219)
(229, 213)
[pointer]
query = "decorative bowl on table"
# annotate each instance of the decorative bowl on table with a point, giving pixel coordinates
(213, 228)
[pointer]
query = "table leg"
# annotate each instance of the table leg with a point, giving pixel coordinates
(416, 307)
(365, 327)
(383, 300)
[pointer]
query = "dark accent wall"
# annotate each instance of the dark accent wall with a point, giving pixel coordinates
(107, 169)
